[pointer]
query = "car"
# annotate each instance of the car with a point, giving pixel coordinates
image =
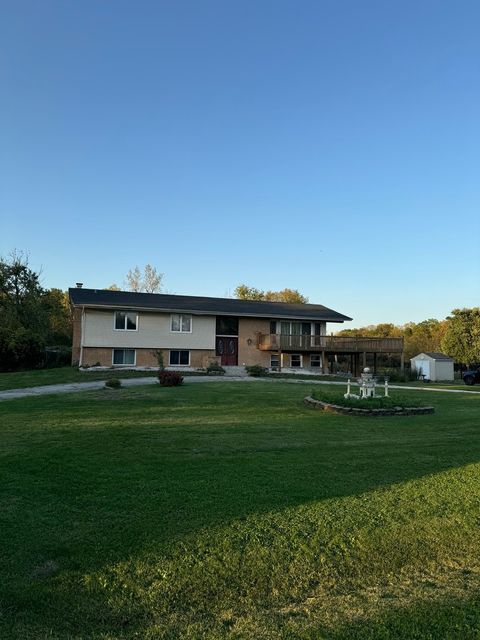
(472, 375)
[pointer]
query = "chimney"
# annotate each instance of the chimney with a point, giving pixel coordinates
(79, 285)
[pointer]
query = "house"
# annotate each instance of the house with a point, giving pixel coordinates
(433, 366)
(124, 328)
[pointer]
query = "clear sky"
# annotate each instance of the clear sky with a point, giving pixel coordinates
(331, 146)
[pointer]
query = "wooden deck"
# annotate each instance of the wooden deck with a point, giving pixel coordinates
(330, 344)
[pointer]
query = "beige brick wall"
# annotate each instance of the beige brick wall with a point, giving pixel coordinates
(145, 357)
(248, 330)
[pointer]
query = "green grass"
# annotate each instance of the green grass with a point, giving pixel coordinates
(39, 377)
(233, 511)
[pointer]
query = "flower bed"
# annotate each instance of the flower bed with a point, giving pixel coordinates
(370, 412)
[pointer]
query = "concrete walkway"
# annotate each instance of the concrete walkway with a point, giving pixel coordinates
(73, 387)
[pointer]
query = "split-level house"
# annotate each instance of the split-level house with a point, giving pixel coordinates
(124, 328)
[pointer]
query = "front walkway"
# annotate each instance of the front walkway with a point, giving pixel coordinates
(72, 387)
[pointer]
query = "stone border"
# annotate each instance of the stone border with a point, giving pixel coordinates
(354, 411)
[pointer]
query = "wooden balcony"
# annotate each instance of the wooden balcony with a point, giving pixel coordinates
(331, 344)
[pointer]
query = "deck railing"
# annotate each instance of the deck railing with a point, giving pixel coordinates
(336, 344)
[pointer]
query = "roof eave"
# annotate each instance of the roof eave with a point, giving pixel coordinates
(196, 312)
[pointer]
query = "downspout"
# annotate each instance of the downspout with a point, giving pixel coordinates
(81, 336)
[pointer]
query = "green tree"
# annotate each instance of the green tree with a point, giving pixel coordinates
(291, 296)
(424, 337)
(462, 336)
(25, 322)
(244, 292)
(60, 317)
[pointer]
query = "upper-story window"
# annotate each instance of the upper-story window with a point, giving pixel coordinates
(126, 321)
(227, 326)
(181, 322)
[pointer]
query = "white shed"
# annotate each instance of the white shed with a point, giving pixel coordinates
(434, 366)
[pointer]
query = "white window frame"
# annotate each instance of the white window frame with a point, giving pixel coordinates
(114, 364)
(178, 365)
(301, 360)
(316, 355)
(181, 315)
(125, 312)
(274, 366)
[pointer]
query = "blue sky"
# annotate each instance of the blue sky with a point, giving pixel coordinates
(329, 146)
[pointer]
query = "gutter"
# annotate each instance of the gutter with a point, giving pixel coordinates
(214, 313)
(82, 336)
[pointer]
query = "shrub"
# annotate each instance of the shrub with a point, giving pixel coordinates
(256, 371)
(170, 378)
(397, 375)
(379, 402)
(215, 369)
(113, 383)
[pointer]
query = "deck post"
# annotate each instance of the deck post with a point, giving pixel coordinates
(375, 363)
(324, 362)
(364, 360)
(402, 361)
(279, 361)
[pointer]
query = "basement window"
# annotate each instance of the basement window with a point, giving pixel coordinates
(124, 356)
(179, 358)
(315, 360)
(295, 360)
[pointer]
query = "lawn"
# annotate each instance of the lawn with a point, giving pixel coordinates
(39, 377)
(233, 511)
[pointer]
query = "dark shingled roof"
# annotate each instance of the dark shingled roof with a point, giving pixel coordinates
(436, 355)
(200, 305)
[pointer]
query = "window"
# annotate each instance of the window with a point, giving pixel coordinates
(315, 360)
(296, 328)
(123, 356)
(295, 360)
(274, 362)
(125, 321)
(179, 358)
(227, 326)
(181, 323)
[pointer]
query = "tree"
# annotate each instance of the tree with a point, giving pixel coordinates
(113, 287)
(150, 281)
(244, 292)
(60, 317)
(291, 296)
(462, 336)
(25, 326)
(134, 279)
(424, 337)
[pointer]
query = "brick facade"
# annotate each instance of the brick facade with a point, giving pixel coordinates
(199, 358)
(248, 352)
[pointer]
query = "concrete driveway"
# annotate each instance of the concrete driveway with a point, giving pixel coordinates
(73, 387)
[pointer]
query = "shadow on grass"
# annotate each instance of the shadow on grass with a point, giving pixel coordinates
(93, 479)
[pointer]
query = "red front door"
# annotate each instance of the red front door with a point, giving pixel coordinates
(227, 349)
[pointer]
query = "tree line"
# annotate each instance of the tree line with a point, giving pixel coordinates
(458, 336)
(34, 319)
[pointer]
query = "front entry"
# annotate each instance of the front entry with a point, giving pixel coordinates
(227, 349)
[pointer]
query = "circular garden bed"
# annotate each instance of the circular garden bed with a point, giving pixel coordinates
(367, 411)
